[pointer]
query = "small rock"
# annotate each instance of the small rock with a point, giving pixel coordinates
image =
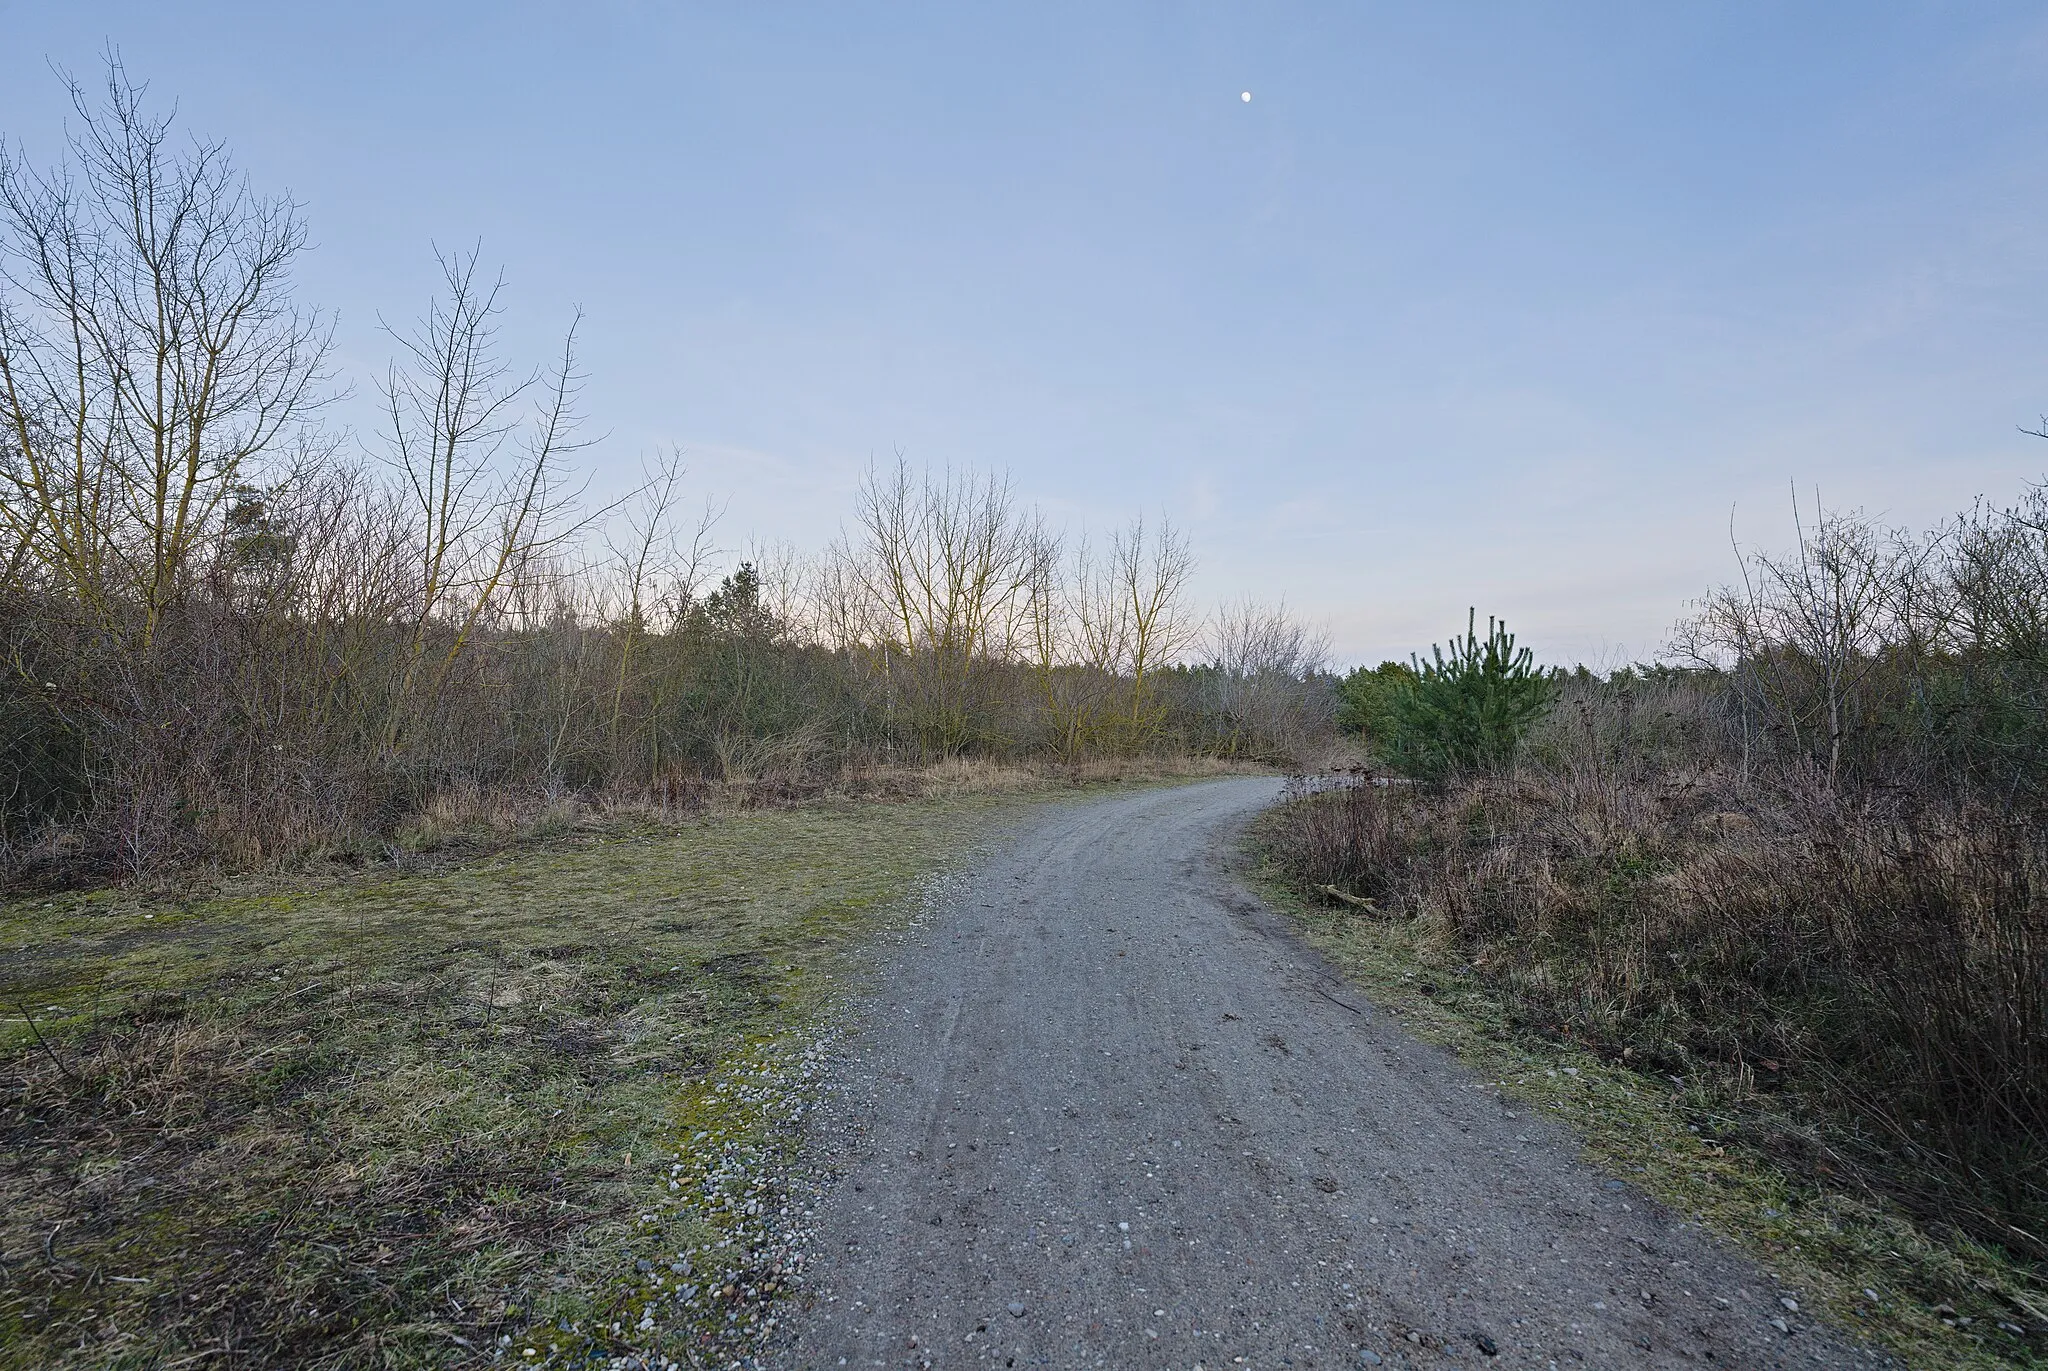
(1486, 1344)
(1721, 1302)
(1016, 1308)
(1781, 1325)
(1368, 1357)
(1616, 1185)
(1791, 1305)
(643, 1266)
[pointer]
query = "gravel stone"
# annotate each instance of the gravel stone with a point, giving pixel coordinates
(1103, 988)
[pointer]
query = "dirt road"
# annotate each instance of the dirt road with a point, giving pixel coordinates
(1114, 1116)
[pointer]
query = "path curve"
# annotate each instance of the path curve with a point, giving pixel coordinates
(1112, 1114)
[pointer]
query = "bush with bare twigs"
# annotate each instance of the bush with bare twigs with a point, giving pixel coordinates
(230, 636)
(1803, 870)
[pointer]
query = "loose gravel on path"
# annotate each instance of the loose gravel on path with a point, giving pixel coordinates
(1104, 1111)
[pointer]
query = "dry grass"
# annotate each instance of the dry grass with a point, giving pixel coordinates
(1849, 1002)
(385, 1119)
(469, 818)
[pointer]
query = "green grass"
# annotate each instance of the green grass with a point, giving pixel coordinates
(392, 1119)
(1939, 1298)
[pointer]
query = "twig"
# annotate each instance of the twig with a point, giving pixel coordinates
(43, 1043)
(1356, 901)
(1335, 1001)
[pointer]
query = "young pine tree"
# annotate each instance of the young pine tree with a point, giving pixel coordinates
(1466, 709)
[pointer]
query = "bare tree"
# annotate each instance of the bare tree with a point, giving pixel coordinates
(936, 588)
(1260, 657)
(484, 488)
(149, 352)
(655, 566)
(1150, 574)
(785, 577)
(1101, 628)
(1806, 634)
(1066, 688)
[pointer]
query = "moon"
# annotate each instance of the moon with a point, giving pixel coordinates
(1246, 97)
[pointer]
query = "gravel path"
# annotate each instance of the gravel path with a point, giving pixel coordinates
(1107, 1112)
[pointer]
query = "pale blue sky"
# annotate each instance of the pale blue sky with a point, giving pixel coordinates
(1503, 305)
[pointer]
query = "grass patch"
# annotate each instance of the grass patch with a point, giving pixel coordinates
(426, 1118)
(1936, 1298)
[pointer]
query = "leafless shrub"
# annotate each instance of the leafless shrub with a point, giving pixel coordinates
(1810, 642)
(229, 637)
(1861, 978)
(1263, 684)
(1342, 838)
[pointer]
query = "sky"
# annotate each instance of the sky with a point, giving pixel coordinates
(1509, 306)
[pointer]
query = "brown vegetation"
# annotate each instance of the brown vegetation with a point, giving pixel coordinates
(1800, 875)
(1866, 985)
(229, 637)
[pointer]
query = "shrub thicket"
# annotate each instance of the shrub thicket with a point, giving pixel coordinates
(227, 636)
(1366, 701)
(1801, 867)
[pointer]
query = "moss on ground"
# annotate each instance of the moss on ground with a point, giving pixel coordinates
(409, 1118)
(1934, 1299)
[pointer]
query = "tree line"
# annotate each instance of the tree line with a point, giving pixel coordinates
(233, 631)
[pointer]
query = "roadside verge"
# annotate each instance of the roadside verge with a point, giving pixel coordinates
(431, 1116)
(1859, 1261)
